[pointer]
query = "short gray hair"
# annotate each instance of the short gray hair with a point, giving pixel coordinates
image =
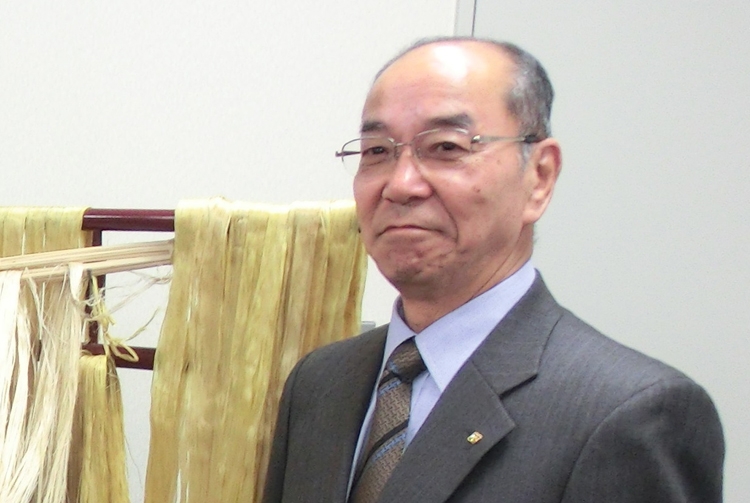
(529, 100)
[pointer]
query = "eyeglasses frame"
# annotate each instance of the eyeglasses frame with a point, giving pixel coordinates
(475, 140)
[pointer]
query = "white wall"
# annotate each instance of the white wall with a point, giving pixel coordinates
(648, 237)
(142, 104)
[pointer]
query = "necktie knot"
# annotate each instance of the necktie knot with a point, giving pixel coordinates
(405, 362)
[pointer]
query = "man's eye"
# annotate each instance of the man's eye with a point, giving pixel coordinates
(375, 151)
(445, 150)
(446, 146)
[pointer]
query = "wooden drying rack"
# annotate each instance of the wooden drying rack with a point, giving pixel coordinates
(99, 220)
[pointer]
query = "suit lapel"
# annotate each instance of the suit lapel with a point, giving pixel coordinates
(441, 454)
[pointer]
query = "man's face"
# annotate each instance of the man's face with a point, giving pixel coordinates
(462, 229)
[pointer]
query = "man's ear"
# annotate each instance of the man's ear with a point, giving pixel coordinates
(541, 172)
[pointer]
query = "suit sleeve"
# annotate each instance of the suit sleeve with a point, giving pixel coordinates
(274, 485)
(663, 445)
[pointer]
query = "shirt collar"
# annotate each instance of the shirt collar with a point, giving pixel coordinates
(447, 343)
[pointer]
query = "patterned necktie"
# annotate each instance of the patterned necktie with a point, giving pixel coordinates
(387, 439)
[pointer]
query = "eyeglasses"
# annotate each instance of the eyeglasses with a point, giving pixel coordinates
(435, 148)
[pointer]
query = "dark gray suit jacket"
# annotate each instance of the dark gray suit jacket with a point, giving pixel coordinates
(566, 414)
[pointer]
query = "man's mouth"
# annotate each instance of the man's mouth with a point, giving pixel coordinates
(406, 228)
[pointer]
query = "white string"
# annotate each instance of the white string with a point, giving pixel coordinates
(40, 335)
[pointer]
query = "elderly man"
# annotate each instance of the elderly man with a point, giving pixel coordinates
(482, 388)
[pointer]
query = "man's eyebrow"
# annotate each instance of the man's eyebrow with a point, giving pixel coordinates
(462, 120)
(370, 126)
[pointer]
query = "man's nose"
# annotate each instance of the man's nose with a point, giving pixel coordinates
(406, 181)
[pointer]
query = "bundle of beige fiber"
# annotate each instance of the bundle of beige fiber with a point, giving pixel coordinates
(41, 327)
(97, 460)
(255, 287)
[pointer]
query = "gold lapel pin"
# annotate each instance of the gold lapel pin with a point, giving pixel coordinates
(474, 437)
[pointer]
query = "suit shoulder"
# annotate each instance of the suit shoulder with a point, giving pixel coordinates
(339, 362)
(370, 342)
(581, 355)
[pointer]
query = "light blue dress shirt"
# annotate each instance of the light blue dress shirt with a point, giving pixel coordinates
(445, 346)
